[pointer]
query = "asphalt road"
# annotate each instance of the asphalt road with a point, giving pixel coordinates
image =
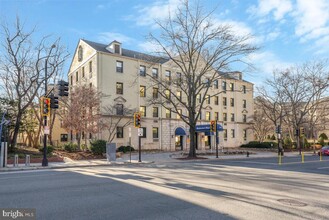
(206, 189)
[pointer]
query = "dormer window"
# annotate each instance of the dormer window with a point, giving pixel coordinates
(114, 47)
(80, 54)
(117, 48)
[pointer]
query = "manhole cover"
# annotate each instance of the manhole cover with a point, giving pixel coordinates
(292, 202)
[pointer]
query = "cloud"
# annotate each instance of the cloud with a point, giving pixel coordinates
(159, 10)
(311, 17)
(267, 61)
(107, 37)
(279, 8)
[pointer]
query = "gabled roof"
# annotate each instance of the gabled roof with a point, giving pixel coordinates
(127, 53)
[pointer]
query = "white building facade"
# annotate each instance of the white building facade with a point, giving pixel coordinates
(119, 74)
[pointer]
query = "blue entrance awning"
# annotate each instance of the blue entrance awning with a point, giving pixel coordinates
(180, 132)
(206, 128)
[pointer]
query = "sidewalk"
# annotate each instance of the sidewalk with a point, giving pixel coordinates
(146, 158)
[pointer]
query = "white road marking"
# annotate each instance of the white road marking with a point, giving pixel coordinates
(320, 168)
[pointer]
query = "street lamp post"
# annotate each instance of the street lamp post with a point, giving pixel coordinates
(44, 159)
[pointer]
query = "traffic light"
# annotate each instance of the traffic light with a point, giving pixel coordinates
(137, 120)
(213, 126)
(297, 132)
(45, 106)
(63, 88)
(302, 131)
(53, 102)
(278, 129)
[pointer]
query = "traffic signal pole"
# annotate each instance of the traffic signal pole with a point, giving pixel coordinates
(216, 140)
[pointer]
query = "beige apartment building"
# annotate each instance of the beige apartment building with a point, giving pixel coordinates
(119, 74)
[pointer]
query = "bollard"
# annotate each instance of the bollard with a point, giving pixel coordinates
(247, 153)
(27, 160)
(302, 157)
(16, 160)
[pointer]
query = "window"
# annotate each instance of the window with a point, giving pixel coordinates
(155, 92)
(83, 72)
(144, 132)
(117, 48)
(80, 54)
(232, 86)
(119, 67)
(142, 110)
(216, 116)
(224, 86)
(119, 88)
(155, 112)
(198, 98)
(216, 100)
(119, 132)
(155, 132)
(168, 113)
(167, 93)
(90, 67)
(119, 109)
(179, 77)
(71, 80)
(232, 102)
(225, 134)
(244, 90)
(200, 115)
(208, 116)
(64, 137)
(224, 101)
(155, 73)
(244, 103)
(232, 117)
(168, 75)
(90, 85)
(142, 70)
(179, 95)
(216, 84)
(76, 76)
(244, 118)
(142, 92)
(179, 113)
(224, 116)
(232, 133)
(207, 99)
(245, 135)
(207, 82)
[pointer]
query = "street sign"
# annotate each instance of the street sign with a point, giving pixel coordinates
(140, 132)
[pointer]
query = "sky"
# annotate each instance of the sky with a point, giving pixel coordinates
(289, 32)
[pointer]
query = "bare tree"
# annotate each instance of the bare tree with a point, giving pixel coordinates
(81, 112)
(301, 90)
(114, 117)
(23, 66)
(261, 124)
(200, 50)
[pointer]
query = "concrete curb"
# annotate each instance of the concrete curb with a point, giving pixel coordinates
(13, 169)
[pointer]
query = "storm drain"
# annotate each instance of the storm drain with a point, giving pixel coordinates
(292, 202)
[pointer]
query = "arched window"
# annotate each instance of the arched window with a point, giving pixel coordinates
(80, 52)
